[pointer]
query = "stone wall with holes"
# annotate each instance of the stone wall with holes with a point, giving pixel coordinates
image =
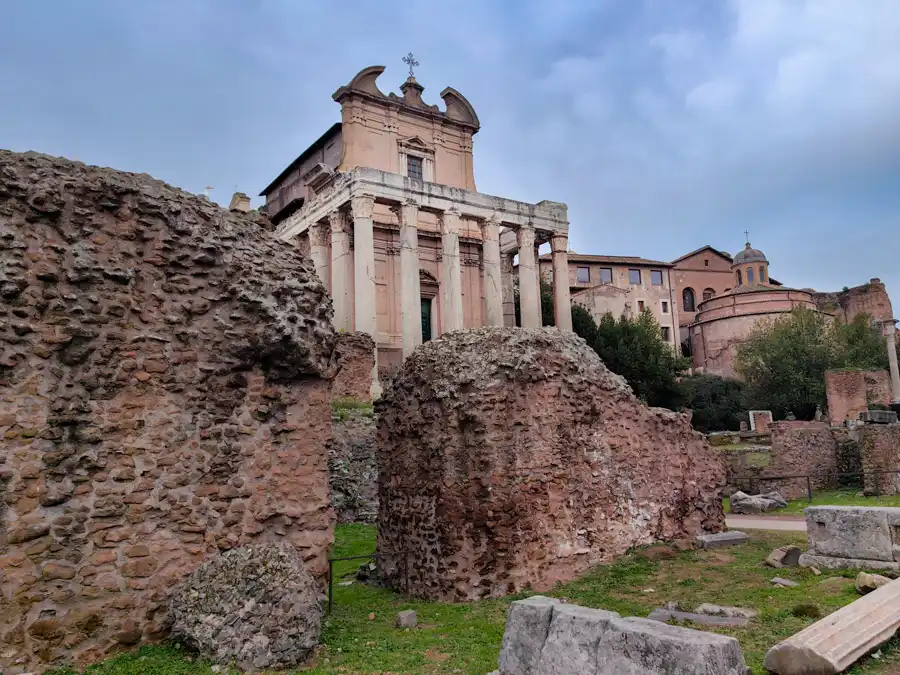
(165, 393)
(879, 449)
(355, 358)
(851, 392)
(800, 449)
(512, 458)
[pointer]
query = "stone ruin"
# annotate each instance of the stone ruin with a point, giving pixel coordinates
(165, 393)
(511, 458)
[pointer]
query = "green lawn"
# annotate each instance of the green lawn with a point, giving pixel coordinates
(360, 637)
(830, 498)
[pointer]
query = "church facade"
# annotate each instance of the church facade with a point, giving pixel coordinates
(385, 204)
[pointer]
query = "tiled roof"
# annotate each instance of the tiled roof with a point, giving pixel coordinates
(699, 250)
(611, 259)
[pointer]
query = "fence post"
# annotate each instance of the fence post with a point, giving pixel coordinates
(809, 489)
(330, 585)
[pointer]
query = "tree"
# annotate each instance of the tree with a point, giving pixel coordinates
(718, 403)
(784, 361)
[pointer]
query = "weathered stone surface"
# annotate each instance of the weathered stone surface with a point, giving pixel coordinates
(256, 606)
(407, 619)
(866, 583)
(878, 417)
(352, 467)
(165, 390)
(724, 610)
(784, 583)
(665, 615)
(879, 449)
(852, 537)
(785, 556)
(546, 637)
(722, 539)
(513, 457)
(744, 503)
(355, 358)
(833, 644)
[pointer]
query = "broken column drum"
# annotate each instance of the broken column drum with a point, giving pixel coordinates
(512, 457)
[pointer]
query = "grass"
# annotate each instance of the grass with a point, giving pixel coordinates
(845, 497)
(345, 407)
(360, 637)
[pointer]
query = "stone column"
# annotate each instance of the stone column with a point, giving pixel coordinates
(562, 302)
(341, 261)
(318, 251)
(410, 289)
(493, 283)
(529, 291)
(892, 360)
(364, 296)
(509, 294)
(537, 273)
(451, 281)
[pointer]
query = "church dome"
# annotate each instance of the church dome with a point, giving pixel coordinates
(749, 255)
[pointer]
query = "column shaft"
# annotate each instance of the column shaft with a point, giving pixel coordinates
(537, 274)
(366, 313)
(451, 283)
(318, 251)
(892, 360)
(509, 291)
(562, 301)
(493, 283)
(410, 289)
(529, 293)
(341, 260)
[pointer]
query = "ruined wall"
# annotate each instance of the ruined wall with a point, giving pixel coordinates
(164, 393)
(801, 449)
(870, 298)
(851, 392)
(512, 457)
(352, 468)
(355, 358)
(879, 449)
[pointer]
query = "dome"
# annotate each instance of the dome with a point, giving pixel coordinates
(749, 255)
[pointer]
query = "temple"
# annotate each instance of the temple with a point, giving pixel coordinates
(385, 204)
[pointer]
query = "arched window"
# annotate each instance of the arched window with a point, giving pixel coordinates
(687, 300)
(740, 278)
(708, 293)
(762, 274)
(749, 275)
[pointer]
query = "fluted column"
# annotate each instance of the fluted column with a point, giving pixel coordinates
(529, 290)
(364, 296)
(318, 251)
(537, 273)
(341, 260)
(892, 360)
(493, 283)
(451, 281)
(509, 291)
(562, 301)
(410, 290)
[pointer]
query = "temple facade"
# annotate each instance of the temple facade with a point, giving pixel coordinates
(386, 206)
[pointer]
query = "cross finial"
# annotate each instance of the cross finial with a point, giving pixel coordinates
(747, 234)
(410, 60)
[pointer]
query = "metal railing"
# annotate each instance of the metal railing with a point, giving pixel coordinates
(370, 556)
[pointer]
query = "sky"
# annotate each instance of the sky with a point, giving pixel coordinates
(665, 125)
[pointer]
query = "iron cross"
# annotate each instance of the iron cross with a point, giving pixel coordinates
(410, 60)
(747, 234)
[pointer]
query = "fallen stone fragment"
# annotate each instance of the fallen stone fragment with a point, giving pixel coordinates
(778, 581)
(665, 615)
(834, 643)
(722, 610)
(743, 503)
(866, 583)
(527, 626)
(407, 619)
(851, 537)
(722, 539)
(786, 556)
(571, 644)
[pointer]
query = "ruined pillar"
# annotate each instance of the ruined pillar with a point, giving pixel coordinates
(529, 289)
(318, 251)
(364, 300)
(410, 290)
(537, 274)
(451, 281)
(892, 360)
(493, 283)
(509, 295)
(562, 302)
(341, 259)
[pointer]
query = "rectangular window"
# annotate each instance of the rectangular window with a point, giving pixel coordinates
(665, 307)
(582, 275)
(664, 330)
(706, 262)
(605, 275)
(656, 277)
(634, 276)
(414, 167)
(640, 305)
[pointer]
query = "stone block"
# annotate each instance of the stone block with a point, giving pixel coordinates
(724, 610)
(878, 417)
(571, 644)
(665, 615)
(853, 532)
(527, 627)
(834, 643)
(785, 556)
(822, 562)
(721, 539)
(784, 583)
(407, 619)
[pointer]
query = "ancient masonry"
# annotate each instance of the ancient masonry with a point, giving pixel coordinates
(166, 393)
(512, 457)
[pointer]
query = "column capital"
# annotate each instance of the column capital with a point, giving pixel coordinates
(338, 221)
(490, 228)
(450, 221)
(362, 206)
(559, 243)
(525, 236)
(318, 234)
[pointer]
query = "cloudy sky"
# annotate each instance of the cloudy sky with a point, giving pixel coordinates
(665, 125)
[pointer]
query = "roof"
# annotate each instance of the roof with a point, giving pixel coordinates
(610, 259)
(318, 143)
(750, 254)
(700, 250)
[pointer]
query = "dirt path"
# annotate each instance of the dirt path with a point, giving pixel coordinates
(783, 523)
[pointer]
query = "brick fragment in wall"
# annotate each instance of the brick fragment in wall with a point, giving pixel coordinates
(512, 458)
(165, 393)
